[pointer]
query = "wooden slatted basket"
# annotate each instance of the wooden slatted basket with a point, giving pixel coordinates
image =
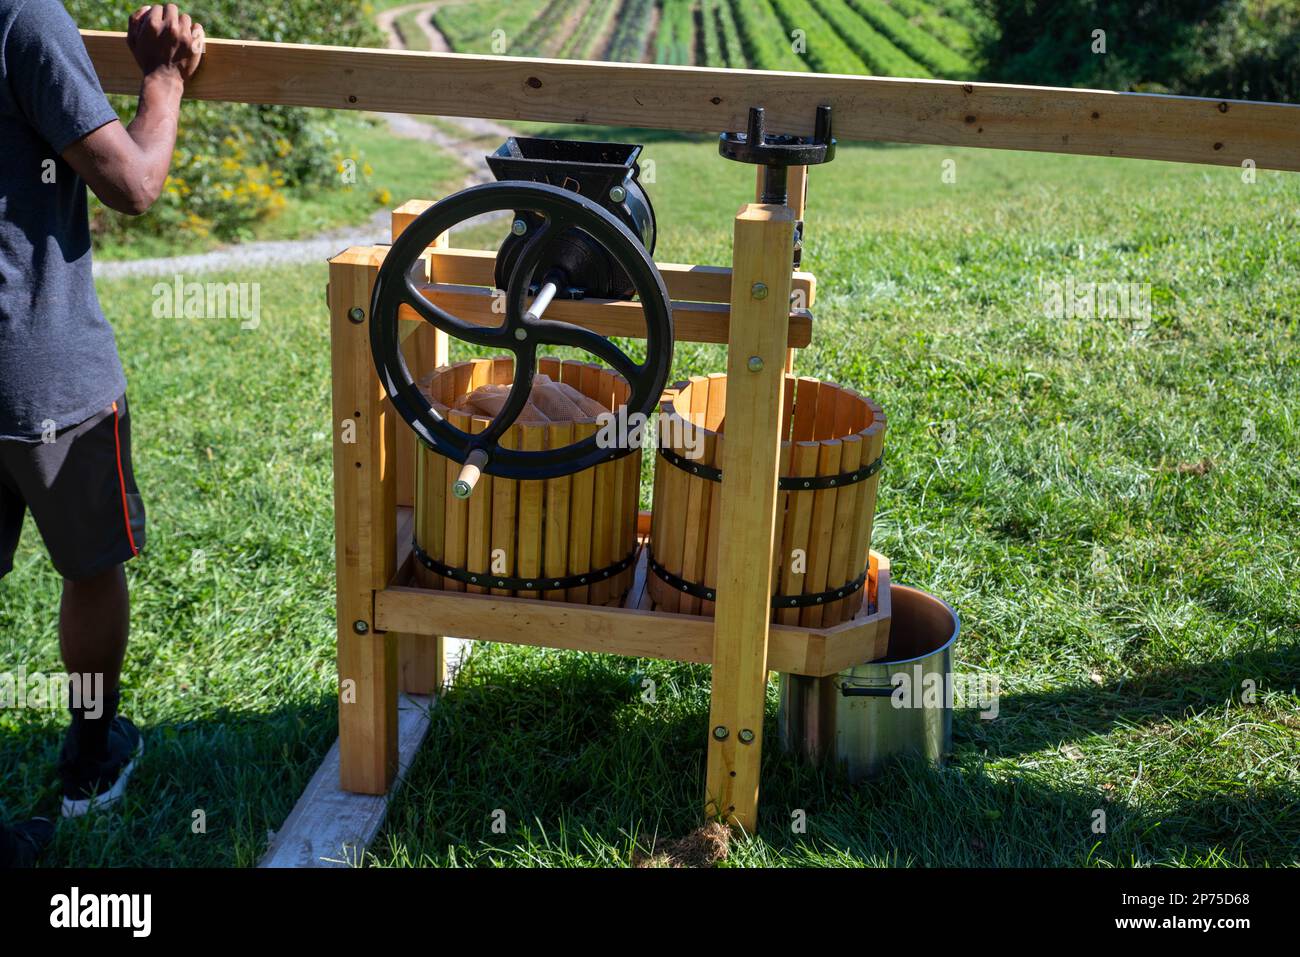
(828, 433)
(574, 526)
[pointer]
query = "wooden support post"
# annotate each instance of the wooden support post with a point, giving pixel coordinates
(365, 534)
(756, 356)
(421, 659)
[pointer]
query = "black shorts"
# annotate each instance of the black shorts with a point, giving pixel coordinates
(81, 492)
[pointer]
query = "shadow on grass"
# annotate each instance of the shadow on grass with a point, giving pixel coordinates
(1034, 721)
(573, 767)
(563, 750)
(205, 793)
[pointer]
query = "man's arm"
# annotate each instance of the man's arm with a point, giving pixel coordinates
(127, 166)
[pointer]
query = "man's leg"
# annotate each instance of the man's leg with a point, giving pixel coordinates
(93, 626)
(81, 492)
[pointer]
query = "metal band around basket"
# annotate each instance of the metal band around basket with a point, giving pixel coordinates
(677, 583)
(786, 483)
(505, 582)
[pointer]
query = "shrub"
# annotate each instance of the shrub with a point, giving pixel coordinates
(1228, 48)
(233, 162)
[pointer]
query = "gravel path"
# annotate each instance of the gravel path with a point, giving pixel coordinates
(282, 252)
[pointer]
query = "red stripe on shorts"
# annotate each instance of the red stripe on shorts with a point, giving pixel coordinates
(121, 482)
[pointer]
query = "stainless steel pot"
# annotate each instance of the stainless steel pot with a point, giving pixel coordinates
(876, 711)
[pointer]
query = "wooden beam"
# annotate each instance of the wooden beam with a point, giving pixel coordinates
(692, 321)
(698, 99)
(633, 632)
(756, 356)
(689, 283)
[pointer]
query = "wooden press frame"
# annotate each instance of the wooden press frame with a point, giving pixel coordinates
(386, 636)
(391, 629)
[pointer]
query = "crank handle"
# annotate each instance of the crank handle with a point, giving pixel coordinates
(470, 473)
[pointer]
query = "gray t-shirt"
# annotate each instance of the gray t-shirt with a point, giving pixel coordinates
(58, 358)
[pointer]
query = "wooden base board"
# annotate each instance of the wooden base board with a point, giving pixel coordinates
(330, 827)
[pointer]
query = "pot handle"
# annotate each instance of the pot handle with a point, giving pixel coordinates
(848, 692)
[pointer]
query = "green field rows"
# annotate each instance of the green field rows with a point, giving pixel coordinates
(917, 38)
(633, 31)
(675, 40)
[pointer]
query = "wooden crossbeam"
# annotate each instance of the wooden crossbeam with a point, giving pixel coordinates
(692, 321)
(689, 283)
(703, 100)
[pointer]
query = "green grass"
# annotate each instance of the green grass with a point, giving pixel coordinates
(389, 170)
(1032, 479)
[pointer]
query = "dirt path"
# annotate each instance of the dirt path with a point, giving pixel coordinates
(461, 137)
(387, 22)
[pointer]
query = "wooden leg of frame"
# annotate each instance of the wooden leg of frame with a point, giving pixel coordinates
(365, 500)
(756, 356)
(421, 659)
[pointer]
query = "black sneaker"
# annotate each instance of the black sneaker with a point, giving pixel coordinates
(89, 784)
(21, 844)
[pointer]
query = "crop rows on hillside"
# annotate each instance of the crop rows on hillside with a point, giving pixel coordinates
(912, 40)
(676, 37)
(766, 45)
(874, 49)
(820, 44)
(585, 42)
(545, 33)
(469, 27)
(919, 38)
(730, 50)
(632, 32)
(952, 33)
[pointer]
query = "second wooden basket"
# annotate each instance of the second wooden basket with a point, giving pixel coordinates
(571, 538)
(831, 444)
